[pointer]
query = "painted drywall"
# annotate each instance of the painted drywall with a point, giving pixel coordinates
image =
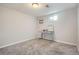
(46, 25)
(78, 26)
(1, 25)
(15, 26)
(66, 26)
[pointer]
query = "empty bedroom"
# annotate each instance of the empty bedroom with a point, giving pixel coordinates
(39, 29)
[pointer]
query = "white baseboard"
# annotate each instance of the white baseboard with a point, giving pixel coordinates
(65, 42)
(34, 38)
(15, 43)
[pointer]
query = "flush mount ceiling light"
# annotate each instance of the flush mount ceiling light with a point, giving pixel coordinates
(35, 5)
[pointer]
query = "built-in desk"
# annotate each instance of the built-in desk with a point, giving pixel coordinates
(47, 35)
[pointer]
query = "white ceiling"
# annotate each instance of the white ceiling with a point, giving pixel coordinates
(28, 9)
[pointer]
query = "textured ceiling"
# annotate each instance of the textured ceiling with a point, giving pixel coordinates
(28, 9)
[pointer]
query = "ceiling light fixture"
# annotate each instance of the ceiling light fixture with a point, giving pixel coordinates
(35, 5)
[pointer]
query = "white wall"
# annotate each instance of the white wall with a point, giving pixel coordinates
(15, 26)
(78, 26)
(66, 26)
(47, 24)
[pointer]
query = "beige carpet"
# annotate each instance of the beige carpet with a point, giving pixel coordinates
(39, 47)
